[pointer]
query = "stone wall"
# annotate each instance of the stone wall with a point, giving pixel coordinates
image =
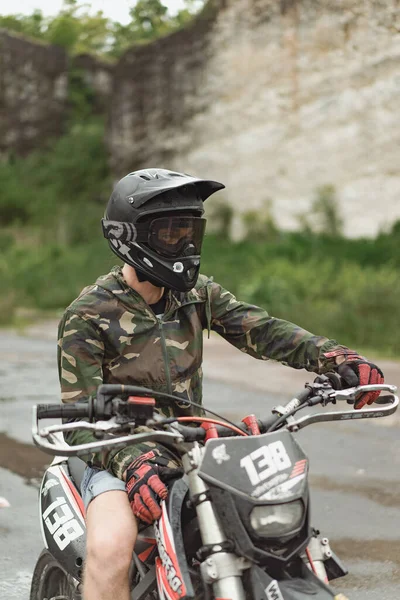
(34, 80)
(33, 88)
(157, 88)
(274, 98)
(97, 75)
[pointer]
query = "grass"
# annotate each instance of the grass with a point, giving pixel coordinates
(355, 304)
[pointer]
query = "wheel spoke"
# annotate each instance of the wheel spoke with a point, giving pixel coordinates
(57, 586)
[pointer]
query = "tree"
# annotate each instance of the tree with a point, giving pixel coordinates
(77, 30)
(149, 18)
(33, 25)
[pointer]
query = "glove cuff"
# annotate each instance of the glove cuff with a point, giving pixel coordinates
(337, 356)
(138, 462)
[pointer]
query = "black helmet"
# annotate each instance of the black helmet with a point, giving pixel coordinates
(154, 223)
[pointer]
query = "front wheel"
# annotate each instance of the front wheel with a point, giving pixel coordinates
(51, 582)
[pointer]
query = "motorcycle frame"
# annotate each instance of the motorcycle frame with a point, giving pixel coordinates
(223, 570)
(62, 511)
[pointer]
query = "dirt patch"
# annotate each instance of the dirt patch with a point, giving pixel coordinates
(385, 493)
(374, 551)
(22, 459)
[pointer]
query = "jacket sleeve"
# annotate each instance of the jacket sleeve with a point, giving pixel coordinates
(80, 352)
(80, 356)
(253, 331)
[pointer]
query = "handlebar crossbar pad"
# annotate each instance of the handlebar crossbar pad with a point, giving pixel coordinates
(62, 411)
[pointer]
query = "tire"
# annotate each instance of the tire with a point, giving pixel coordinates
(51, 582)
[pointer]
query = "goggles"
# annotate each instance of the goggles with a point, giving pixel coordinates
(169, 236)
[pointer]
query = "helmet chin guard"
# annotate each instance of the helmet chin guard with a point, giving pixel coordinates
(178, 274)
(153, 223)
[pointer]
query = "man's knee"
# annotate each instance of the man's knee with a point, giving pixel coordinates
(111, 534)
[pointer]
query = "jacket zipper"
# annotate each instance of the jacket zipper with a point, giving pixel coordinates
(162, 336)
(164, 344)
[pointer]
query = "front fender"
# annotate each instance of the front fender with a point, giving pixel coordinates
(306, 587)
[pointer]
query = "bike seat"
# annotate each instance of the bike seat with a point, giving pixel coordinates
(77, 468)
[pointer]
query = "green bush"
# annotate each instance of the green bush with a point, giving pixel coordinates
(309, 282)
(356, 305)
(324, 216)
(53, 276)
(58, 192)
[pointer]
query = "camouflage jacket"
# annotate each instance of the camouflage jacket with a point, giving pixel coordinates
(110, 334)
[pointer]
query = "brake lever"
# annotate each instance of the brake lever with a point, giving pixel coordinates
(384, 410)
(352, 394)
(98, 428)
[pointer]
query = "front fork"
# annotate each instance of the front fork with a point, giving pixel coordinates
(220, 567)
(317, 552)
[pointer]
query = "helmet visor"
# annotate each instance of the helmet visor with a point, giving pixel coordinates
(172, 236)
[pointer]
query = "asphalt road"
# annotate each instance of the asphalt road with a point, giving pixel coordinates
(354, 474)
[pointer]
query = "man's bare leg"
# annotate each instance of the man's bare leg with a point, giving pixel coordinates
(111, 535)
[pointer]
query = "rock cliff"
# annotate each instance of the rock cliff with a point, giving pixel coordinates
(34, 89)
(33, 92)
(274, 98)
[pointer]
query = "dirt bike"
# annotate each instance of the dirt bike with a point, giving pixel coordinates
(235, 525)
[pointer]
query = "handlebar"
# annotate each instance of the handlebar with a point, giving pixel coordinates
(111, 414)
(63, 411)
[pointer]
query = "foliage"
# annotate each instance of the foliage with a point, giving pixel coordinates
(353, 300)
(260, 224)
(314, 283)
(56, 192)
(33, 25)
(324, 216)
(220, 217)
(78, 30)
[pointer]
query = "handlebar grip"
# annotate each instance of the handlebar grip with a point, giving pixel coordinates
(385, 400)
(62, 411)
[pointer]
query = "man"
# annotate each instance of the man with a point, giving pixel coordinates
(143, 324)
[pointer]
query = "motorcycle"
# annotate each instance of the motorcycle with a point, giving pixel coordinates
(236, 523)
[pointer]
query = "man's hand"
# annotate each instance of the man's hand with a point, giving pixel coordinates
(356, 370)
(145, 488)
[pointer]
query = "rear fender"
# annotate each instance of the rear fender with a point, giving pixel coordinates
(62, 519)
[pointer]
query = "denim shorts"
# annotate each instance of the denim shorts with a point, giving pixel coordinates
(97, 481)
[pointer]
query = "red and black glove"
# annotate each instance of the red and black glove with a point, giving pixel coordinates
(357, 370)
(145, 488)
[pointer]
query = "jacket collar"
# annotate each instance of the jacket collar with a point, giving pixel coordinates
(115, 283)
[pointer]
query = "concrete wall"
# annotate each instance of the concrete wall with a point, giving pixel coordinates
(274, 98)
(33, 91)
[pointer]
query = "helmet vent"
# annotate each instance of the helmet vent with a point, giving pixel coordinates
(145, 177)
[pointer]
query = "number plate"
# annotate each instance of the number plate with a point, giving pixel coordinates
(267, 467)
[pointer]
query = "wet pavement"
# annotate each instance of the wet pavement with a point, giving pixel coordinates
(354, 466)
